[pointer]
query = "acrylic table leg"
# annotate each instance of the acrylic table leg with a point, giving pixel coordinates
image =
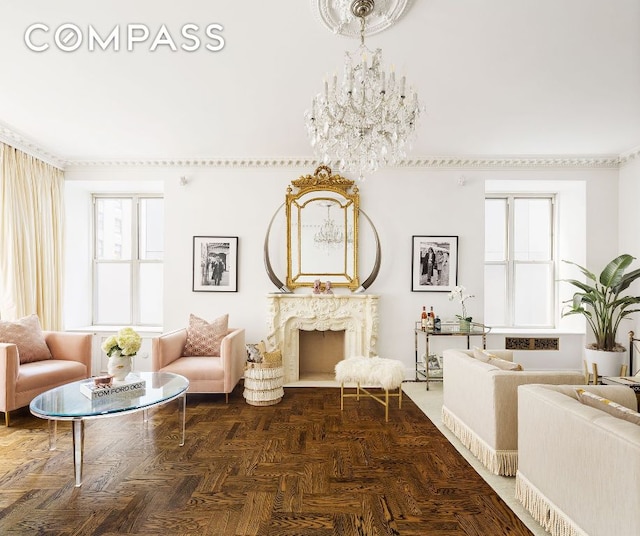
(53, 427)
(78, 448)
(182, 402)
(145, 416)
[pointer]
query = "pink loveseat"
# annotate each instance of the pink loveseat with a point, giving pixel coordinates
(21, 383)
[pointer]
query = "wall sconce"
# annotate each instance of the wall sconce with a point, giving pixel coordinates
(462, 180)
(183, 181)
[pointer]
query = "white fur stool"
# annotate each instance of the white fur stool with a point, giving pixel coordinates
(371, 371)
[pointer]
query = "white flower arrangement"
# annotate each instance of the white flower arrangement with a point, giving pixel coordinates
(458, 294)
(126, 342)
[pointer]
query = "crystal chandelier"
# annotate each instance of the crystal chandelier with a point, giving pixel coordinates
(330, 235)
(367, 120)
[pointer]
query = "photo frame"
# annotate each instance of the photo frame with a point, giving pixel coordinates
(434, 264)
(215, 264)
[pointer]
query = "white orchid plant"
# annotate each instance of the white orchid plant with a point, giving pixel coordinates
(458, 294)
(126, 342)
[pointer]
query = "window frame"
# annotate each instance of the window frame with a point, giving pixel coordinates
(510, 263)
(134, 262)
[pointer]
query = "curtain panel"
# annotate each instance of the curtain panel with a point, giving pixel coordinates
(31, 238)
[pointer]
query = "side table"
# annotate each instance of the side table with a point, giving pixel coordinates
(423, 371)
(629, 381)
(263, 383)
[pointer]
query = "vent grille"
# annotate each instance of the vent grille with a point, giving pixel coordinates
(532, 343)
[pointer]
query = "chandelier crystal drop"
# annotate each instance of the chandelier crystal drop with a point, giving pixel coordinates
(368, 119)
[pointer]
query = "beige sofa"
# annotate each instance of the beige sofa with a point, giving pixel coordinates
(21, 383)
(578, 466)
(206, 374)
(480, 405)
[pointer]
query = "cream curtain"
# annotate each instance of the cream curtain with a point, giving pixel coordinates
(31, 238)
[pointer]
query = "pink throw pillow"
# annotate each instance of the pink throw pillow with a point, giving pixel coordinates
(204, 338)
(27, 335)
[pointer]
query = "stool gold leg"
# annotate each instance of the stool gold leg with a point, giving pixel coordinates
(400, 397)
(342, 396)
(386, 405)
(358, 392)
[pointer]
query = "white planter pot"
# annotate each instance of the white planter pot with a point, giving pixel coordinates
(609, 363)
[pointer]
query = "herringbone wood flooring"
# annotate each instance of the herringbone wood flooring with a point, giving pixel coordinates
(301, 467)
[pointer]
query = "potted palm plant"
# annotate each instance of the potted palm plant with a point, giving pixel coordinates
(602, 302)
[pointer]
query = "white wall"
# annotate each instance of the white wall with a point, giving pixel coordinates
(401, 202)
(629, 224)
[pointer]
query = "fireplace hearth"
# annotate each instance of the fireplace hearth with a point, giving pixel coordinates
(355, 314)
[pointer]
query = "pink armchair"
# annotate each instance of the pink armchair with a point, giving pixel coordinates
(21, 383)
(206, 374)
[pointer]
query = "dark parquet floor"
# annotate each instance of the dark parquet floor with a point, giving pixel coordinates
(301, 467)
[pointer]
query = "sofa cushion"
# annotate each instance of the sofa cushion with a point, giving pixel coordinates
(48, 373)
(481, 354)
(27, 335)
(504, 364)
(198, 368)
(487, 357)
(606, 405)
(204, 338)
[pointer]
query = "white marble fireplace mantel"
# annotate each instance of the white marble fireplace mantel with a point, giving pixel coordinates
(356, 314)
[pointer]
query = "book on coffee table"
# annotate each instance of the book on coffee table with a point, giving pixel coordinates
(133, 386)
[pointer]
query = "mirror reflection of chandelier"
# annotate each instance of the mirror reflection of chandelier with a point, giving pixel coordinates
(368, 120)
(330, 235)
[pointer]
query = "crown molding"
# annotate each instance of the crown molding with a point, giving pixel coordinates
(228, 163)
(20, 142)
(438, 162)
(17, 140)
(629, 156)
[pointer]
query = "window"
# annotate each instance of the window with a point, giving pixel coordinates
(128, 245)
(519, 275)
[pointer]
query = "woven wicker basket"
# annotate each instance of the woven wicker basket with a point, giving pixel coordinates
(263, 398)
(263, 383)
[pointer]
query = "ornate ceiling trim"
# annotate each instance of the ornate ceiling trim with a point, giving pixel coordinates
(442, 162)
(336, 16)
(16, 140)
(629, 156)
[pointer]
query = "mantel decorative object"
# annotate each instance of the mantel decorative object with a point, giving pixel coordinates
(368, 120)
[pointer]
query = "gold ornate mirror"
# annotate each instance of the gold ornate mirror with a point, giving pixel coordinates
(322, 230)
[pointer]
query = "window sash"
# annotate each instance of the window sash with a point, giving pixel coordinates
(133, 313)
(511, 265)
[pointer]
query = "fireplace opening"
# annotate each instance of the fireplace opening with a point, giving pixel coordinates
(319, 351)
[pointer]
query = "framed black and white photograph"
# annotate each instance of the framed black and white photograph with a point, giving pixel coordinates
(434, 266)
(215, 264)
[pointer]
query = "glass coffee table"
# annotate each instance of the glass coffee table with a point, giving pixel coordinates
(67, 403)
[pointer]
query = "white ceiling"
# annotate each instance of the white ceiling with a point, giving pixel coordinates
(497, 77)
